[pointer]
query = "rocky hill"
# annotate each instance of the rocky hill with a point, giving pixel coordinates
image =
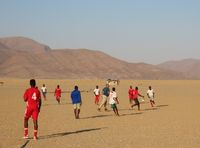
(25, 58)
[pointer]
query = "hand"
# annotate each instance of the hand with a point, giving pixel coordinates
(38, 109)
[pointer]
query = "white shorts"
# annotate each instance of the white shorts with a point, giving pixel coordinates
(77, 106)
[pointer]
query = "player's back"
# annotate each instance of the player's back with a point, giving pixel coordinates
(131, 93)
(58, 92)
(32, 96)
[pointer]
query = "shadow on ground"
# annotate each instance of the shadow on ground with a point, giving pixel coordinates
(61, 135)
(69, 133)
(162, 105)
(97, 116)
(147, 109)
(131, 114)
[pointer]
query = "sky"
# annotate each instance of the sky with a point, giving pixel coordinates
(150, 31)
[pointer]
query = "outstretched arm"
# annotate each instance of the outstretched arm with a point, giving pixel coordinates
(140, 95)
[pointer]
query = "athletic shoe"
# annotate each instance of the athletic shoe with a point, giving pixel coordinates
(25, 137)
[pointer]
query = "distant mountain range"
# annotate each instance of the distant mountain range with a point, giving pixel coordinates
(190, 68)
(25, 58)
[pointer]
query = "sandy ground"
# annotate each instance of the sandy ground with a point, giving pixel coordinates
(173, 123)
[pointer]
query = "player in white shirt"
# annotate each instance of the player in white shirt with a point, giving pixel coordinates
(151, 95)
(44, 91)
(97, 95)
(113, 101)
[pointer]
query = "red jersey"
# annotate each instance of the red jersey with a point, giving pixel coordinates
(135, 94)
(32, 97)
(130, 93)
(58, 92)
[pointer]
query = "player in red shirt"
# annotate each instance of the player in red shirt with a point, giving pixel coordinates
(32, 98)
(57, 94)
(131, 96)
(135, 98)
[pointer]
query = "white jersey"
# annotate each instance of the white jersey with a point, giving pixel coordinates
(112, 97)
(97, 91)
(44, 89)
(150, 93)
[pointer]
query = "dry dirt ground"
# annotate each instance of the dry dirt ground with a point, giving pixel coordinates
(173, 123)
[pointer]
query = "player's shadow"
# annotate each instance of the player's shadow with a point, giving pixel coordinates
(131, 114)
(69, 133)
(147, 109)
(162, 105)
(156, 108)
(97, 116)
(24, 145)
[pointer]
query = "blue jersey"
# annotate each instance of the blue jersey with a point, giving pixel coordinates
(106, 91)
(76, 96)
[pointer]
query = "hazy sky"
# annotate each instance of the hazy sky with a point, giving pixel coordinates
(150, 31)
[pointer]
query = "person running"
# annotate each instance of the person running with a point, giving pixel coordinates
(105, 95)
(32, 97)
(135, 98)
(151, 95)
(76, 101)
(131, 96)
(57, 93)
(113, 101)
(97, 95)
(44, 91)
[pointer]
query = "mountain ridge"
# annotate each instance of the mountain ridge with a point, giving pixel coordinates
(25, 58)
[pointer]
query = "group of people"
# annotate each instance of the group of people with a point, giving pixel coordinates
(32, 97)
(107, 95)
(113, 99)
(57, 93)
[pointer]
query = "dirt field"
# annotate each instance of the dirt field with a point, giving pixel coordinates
(173, 123)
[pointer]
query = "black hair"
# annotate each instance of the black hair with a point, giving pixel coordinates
(136, 88)
(76, 87)
(32, 82)
(113, 89)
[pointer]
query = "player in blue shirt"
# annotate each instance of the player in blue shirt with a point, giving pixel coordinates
(76, 101)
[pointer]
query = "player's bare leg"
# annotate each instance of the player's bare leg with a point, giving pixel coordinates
(78, 112)
(105, 108)
(25, 128)
(35, 129)
(75, 113)
(116, 111)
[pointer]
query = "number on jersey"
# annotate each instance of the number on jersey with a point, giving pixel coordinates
(34, 97)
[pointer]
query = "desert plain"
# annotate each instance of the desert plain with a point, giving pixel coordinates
(173, 123)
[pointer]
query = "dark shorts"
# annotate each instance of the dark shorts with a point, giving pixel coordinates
(136, 101)
(113, 106)
(44, 94)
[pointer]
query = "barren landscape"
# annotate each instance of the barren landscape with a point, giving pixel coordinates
(174, 122)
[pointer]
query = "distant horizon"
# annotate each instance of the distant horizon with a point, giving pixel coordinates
(152, 32)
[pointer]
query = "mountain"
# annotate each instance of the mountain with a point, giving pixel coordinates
(25, 58)
(23, 44)
(189, 67)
